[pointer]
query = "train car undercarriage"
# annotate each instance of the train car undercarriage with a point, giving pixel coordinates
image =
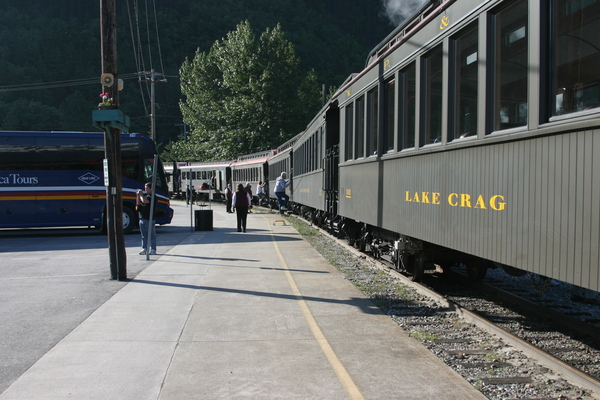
(404, 253)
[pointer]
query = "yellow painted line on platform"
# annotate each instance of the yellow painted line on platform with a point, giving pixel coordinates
(348, 384)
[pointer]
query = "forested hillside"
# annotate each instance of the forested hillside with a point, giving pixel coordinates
(58, 43)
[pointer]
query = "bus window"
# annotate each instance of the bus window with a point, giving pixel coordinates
(13, 150)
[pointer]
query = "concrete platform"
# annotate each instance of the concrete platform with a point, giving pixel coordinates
(228, 315)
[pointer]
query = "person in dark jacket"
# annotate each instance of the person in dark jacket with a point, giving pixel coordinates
(228, 197)
(248, 188)
(146, 223)
(240, 203)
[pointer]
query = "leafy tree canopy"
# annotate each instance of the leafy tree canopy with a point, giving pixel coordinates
(244, 95)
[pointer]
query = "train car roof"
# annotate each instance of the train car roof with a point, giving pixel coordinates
(254, 158)
(398, 36)
(405, 27)
(209, 164)
(290, 143)
(258, 160)
(281, 154)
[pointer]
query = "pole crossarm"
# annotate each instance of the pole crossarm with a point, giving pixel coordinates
(106, 119)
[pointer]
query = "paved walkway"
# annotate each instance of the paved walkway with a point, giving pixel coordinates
(227, 315)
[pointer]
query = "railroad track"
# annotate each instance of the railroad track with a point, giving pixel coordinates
(502, 352)
(559, 342)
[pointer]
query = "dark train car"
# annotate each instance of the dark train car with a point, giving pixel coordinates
(473, 137)
(251, 168)
(309, 152)
(315, 163)
(281, 161)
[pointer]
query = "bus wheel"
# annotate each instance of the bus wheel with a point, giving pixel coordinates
(128, 220)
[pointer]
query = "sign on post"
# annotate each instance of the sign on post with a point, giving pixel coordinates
(106, 182)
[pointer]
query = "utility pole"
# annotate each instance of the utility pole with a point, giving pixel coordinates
(152, 108)
(112, 143)
(153, 80)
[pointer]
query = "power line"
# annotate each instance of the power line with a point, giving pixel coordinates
(57, 84)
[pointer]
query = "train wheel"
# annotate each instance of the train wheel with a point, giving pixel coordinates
(418, 268)
(476, 269)
(405, 262)
(414, 265)
(362, 244)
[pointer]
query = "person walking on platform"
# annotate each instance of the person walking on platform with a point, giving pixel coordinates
(146, 224)
(248, 188)
(228, 197)
(241, 203)
(280, 184)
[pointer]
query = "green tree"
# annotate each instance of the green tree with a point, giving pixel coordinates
(75, 113)
(246, 94)
(25, 115)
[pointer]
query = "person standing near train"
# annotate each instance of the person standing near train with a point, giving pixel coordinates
(260, 192)
(280, 184)
(248, 188)
(241, 202)
(228, 197)
(147, 226)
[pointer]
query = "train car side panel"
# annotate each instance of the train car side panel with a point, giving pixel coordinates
(308, 190)
(359, 194)
(531, 204)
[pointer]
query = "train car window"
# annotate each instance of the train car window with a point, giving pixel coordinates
(407, 108)
(466, 79)
(359, 131)
(349, 132)
(304, 156)
(313, 151)
(372, 121)
(299, 158)
(432, 113)
(511, 66)
(307, 155)
(321, 143)
(388, 114)
(315, 158)
(317, 149)
(575, 56)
